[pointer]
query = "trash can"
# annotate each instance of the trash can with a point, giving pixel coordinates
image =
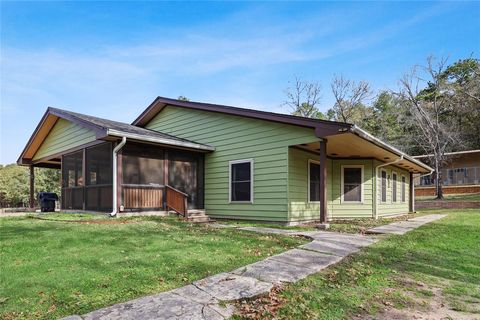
(46, 200)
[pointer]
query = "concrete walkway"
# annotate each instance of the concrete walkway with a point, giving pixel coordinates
(208, 298)
(403, 227)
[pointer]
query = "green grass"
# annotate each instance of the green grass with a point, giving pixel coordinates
(453, 197)
(51, 268)
(445, 253)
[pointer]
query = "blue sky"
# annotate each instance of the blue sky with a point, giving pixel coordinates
(112, 59)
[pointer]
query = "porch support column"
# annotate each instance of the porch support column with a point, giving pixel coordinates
(411, 194)
(323, 185)
(32, 187)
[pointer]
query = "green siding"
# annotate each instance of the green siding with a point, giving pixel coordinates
(390, 208)
(299, 207)
(236, 138)
(63, 136)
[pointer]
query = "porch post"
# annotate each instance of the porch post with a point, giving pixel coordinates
(32, 187)
(411, 194)
(323, 183)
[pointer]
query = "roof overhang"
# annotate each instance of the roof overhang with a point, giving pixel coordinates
(322, 127)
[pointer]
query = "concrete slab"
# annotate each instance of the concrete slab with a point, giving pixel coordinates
(162, 306)
(338, 249)
(307, 259)
(274, 271)
(228, 286)
(222, 226)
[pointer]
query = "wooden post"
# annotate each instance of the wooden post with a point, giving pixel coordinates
(165, 179)
(84, 178)
(32, 187)
(323, 182)
(411, 194)
(120, 201)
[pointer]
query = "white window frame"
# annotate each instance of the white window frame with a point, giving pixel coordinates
(386, 186)
(308, 179)
(362, 167)
(403, 188)
(230, 163)
(394, 188)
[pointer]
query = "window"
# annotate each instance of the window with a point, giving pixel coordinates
(384, 186)
(403, 188)
(352, 177)
(394, 187)
(313, 181)
(241, 181)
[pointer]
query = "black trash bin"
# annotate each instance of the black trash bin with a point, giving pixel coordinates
(47, 200)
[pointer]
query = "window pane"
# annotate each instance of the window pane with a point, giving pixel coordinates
(240, 191)
(241, 184)
(241, 171)
(352, 184)
(394, 187)
(314, 181)
(384, 186)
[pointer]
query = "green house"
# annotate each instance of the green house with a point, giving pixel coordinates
(226, 162)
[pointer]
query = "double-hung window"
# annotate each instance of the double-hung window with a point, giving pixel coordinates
(313, 181)
(241, 181)
(352, 188)
(384, 186)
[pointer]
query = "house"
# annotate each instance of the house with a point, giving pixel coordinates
(460, 174)
(232, 162)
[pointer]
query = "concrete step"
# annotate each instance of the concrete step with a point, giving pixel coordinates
(199, 219)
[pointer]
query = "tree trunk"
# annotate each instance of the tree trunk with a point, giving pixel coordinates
(438, 181)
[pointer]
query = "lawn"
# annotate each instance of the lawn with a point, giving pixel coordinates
(433, 269)
(54, 267)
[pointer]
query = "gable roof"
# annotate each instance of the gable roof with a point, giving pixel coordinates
(104, 129)
(323, 128)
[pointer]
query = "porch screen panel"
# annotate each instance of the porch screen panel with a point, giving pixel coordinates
(183, 174)
(72, 181)
(403, 188)
(143, 165)
(352, 184)
(98, 193)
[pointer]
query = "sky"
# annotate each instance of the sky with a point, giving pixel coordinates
(111, 59)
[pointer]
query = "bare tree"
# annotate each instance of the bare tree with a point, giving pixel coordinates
(429, 112)
(303, 98)
(349, 98)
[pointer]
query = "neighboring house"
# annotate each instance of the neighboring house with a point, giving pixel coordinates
(234, 163)
(460, 174)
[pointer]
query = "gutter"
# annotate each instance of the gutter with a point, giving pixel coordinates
(171, 142)
(413, 186)
(376, 183)
(114, 175)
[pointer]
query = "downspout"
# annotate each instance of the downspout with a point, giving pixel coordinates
(114, 175)
(376, 183)
(413, 185)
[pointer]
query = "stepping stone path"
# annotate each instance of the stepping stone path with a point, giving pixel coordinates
(403, 227)
(209, 298)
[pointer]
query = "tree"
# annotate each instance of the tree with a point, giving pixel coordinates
(350, 98)
(430, 112)
(14, 184)
(303, 99)
(182, 98)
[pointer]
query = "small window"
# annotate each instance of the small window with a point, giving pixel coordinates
(313, 181)
(403, 188)
(352, 183)
(394, 187)
(241, 181)
(384, 186)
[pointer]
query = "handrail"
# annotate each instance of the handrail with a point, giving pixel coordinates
(176, 200)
